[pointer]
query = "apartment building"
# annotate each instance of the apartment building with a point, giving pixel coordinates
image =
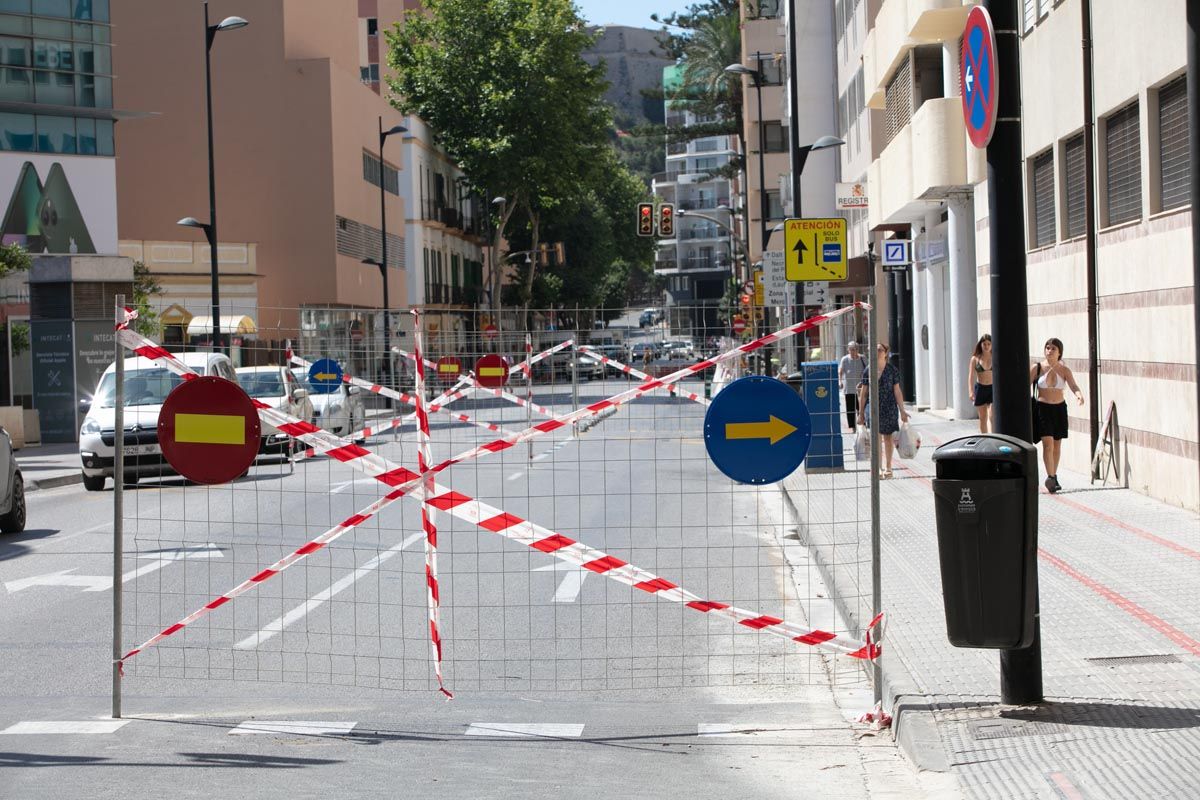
(298, 96)
(698, 261)
(926, 181)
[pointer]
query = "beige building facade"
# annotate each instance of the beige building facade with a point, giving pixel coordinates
(927, 180)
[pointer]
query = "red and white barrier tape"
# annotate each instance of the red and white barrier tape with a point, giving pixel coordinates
(405, 481)
(428, 518)
(531, 360)
(512, 398)
(594, 355)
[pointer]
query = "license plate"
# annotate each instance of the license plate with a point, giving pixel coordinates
(141, 450)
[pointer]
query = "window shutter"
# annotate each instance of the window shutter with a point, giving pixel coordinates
(1075, 177)
(1123, 187)
(1029, 14)
(1175, 172)
(897, 103)
(1043, 199)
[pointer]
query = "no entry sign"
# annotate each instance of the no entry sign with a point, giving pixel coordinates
(491, 331)
(978, 76)
(209, 430)
(491, 371)
(449, 368)
(739, 325)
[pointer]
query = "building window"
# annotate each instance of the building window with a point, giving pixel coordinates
(771, 69)
(391, 178)
(1075, 181)
(775, 137)
(1043, 200)
(774, 206)
(1028, 14)
(1174, 171)
(372, 26)
(1123, 166)
(897, 101)
(369, 74)
(764, 9)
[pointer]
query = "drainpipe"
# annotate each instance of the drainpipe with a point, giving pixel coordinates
(1089, 157)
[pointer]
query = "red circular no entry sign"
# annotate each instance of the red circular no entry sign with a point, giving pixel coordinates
(209, 430)
(449, 368)
(739, 325)
(491, 370)
(490, 331)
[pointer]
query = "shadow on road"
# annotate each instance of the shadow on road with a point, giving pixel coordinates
(191, 760)
(14, 547)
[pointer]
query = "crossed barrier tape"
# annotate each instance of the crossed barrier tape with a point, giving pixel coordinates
(529, 362)
(422, 485)
(594, 355)
(495, 392)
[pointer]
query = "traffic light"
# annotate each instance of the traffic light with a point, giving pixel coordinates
(645, 223)
(666, 221)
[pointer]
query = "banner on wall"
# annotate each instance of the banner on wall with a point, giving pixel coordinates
(59, 203)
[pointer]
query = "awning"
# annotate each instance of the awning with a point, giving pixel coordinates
(232, 324)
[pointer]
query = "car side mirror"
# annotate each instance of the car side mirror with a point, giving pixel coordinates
(299, 394)
(85, 403)
(355, 390)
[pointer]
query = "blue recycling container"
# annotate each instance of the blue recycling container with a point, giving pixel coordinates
(824, 407)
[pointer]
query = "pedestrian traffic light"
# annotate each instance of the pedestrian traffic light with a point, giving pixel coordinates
(666, 221)
(645, 223)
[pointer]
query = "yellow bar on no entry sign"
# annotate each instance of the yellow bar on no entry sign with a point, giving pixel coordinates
(492, 372)
(447, 367)
(210, 429)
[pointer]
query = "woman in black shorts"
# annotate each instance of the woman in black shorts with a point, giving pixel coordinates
(1053, 378)
(979, 380)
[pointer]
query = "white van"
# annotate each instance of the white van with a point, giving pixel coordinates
(147, 385)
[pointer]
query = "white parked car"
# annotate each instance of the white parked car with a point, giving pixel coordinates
(277, 387)
(146, 388)
(12, 502)
(338, 409)
(679, 348)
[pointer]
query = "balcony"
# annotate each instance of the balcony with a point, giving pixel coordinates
(901, 25)
(449, 217)
(702, 232)
(703, 203)
(926, 161)
(709, 263)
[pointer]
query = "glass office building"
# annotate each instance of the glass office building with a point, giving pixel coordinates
(56, 77)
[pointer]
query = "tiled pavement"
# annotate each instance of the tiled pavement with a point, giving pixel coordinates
(1120, 604)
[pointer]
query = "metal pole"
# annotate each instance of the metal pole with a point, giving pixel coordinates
(1020, 670)
(873, 391)
(212, 188)
(118, 506)
(762, 171)
(1193, 99)
(383, 269)
(1089, 206)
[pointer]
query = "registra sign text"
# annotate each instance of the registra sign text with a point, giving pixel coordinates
(850, 195)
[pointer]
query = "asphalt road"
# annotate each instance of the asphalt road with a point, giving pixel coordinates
(565, 681)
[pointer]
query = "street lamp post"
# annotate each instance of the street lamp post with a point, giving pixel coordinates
(210, 33)
(382, 263)
(763, 209)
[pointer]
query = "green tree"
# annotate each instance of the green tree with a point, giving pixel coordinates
(145, 288)
(503, 85)
(14, 258)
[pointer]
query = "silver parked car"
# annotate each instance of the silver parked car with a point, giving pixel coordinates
(12, 504)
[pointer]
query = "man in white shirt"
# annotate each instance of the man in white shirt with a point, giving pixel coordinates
(850, 375)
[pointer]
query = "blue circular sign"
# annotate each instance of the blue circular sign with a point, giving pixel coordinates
(325, 376)
(757, 430)
(978, 77)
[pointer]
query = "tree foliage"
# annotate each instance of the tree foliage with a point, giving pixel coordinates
(145, 288)
(14, 258)
(510, 99)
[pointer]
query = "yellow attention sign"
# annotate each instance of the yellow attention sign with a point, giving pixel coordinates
(815, 249)
(758, 287)
(210, 429)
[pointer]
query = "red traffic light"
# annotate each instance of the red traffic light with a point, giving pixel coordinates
(666, 220)
(645, 222)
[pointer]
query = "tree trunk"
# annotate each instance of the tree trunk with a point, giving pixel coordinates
(534, 222)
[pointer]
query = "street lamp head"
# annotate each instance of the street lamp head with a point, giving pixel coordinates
(231, 24)
(372, 262)
(741, 69)
(827, 141)
(393, 129)
(192, 222)
(499, 201)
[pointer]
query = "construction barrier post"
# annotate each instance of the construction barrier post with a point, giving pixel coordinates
(118, 505)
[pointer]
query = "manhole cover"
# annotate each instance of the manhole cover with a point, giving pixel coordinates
(1007, 729)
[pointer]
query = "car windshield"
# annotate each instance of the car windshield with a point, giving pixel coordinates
(143, 387)
(262, 384)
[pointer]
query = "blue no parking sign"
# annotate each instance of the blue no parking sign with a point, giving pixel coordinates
(757, 430)
(978, 76)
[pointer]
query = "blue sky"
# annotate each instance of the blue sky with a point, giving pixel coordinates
(635, 13)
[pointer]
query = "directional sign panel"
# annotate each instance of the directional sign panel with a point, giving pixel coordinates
(757, 430)
(325, 376)
(209, 431)
(978, 76)
(816, 293)
(491, 370)
(815, 249)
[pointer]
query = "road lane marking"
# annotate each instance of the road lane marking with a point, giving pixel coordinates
(102, 583)
(547, 730)
(516, 475)
(300, 611)
(572, 583)
(292, 728)
(65, 726)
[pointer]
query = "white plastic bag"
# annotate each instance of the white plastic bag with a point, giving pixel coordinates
(862, 444)
(908, 442)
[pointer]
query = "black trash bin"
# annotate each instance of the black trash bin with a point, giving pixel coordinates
(985, 498)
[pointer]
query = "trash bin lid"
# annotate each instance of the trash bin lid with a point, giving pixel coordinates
(985, 447)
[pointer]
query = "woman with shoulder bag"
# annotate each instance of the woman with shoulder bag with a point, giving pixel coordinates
(1050, 407)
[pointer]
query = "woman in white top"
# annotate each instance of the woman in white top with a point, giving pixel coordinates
(1053, 378)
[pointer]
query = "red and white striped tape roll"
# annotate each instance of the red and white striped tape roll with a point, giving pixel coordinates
(428, 519)
(595, 355)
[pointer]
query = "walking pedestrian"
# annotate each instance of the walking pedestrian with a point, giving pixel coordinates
(851, 369)
(1050, 421)
(891, 405)
(979, 381)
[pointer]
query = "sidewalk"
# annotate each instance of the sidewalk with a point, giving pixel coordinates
(1120, 603)
(49, 465)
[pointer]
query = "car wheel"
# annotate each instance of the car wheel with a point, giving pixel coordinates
(14, 520)
(93, 483)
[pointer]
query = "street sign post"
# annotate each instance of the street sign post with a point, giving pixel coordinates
(209, 431)
(816, 293)
(978, 77)
(757, 430)
(777, 289)
(815, 249)
(491, 371)
(325, 376)
(759, 289)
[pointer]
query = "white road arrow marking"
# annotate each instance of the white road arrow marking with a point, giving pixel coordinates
(100, 583)
(572, 583)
